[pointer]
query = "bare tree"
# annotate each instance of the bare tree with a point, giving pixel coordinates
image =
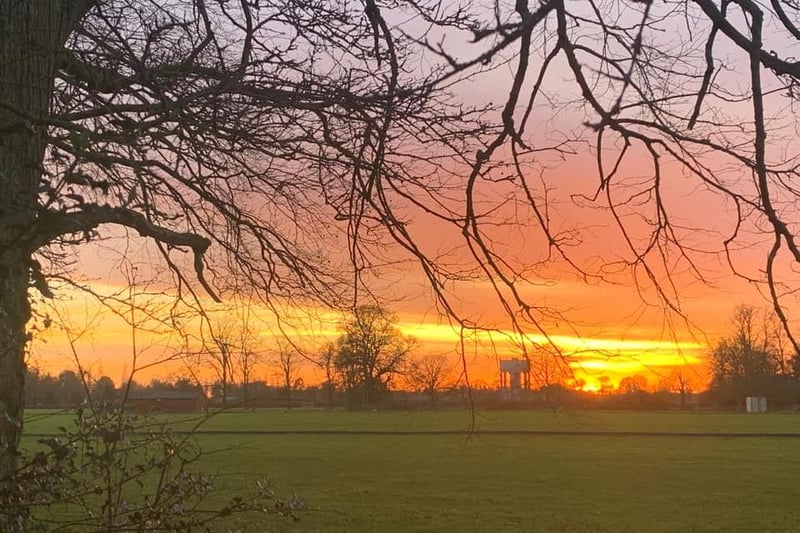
(289, 363)
(606, 386)
(249, 352)
(326, 361)
(248, 360)
(548, 368)
(632, 384)
(681, 383)
(231, 353)
(221, 359)
(369, 353)
(428, 374)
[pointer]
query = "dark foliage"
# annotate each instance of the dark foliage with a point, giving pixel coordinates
(114, 472)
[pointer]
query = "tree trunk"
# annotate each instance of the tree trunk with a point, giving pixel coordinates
(14, 314)
(434, 396)
(31, 40)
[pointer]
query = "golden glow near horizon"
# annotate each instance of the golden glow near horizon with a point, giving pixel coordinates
(589, 357)
(105, 347)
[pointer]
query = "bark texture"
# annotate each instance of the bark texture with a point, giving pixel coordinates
(31, 36)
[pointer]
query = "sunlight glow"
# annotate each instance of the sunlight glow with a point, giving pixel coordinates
(106, 345)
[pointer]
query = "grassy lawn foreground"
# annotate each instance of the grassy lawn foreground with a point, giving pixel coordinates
(501, 483)
(491, 483)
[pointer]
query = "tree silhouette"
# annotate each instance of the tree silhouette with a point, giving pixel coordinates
(743, 362)
(228, 135)
(288, 363)
(370, 351)
(428, 374)
(103, 390)
(325, 360)
(681, 383)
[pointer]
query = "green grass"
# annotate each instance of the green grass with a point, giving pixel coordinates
(597, 484)
(435, 483)
(319, 419)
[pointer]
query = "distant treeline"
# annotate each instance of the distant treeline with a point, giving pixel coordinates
(68, 389)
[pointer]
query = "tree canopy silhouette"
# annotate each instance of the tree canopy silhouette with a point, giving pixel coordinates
(369, 353)
(231, 131)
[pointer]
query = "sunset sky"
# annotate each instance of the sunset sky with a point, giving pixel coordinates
(611, 333)
(610, 319)
(612, 327)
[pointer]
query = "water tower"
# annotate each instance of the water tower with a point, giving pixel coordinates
(515, 374)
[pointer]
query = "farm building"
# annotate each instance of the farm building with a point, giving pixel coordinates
(165, 401)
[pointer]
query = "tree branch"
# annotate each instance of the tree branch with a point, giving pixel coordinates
(52, 224)
(773, 62)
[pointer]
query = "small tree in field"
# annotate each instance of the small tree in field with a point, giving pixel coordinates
(326, 361)
(428, 374)
(681, 383)
(288, 363)
(369, 353)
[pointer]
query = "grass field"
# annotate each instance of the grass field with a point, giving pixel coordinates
(508, 483)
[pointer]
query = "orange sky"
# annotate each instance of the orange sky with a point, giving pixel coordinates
(613, 328)
(612, 334)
